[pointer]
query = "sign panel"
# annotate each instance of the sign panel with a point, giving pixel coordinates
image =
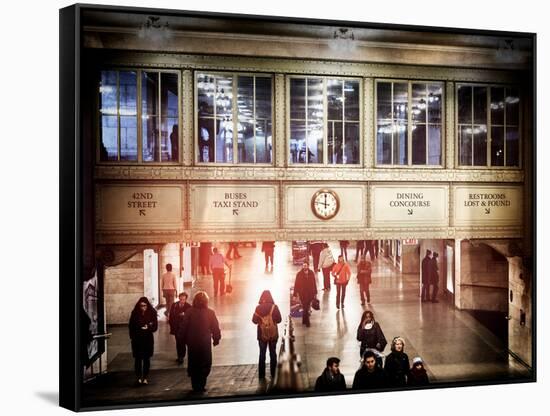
(409, 205)
(488, 205)
(233, 206)
(140, 207)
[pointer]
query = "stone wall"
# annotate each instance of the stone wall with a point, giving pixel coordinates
(123, 288)
(520, 335)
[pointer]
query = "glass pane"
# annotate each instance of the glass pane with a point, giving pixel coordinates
(497, 106)
(435, 94)
(149, 133)
(335, 99)
(512, 146)
(464, 104)
(480, 105)
(224, 96)
(335, 143)
(512, 107)
(224, 140)
(245, 141)
(315, 136)
(400, 144)
(315, 99)
(419, 103)
(400, 100)
(434, 144)
(383, 144)
(108, 94)
(297, 98)
(206, 140)
(383, 102)
(245, 98)
(497, 146)
(205, 91)
(297, 141)
(465, 145)
(480, 145)
(263, 141)
(128, 138)
(169, 95)
(351, 100)
(108, 149)
(419, 144)
(169, 139)
(128, 93)
(351, 150)
(263, 98)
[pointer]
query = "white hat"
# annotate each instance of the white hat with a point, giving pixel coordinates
(417, 360)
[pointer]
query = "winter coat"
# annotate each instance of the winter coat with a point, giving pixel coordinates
(397, 367)
(176, 316)
(198, 329)
(370, 337)
(305, 285)
(364, 271)
(342, 273)
(142, 339)
(262, 310)
(418, 377)
(365, 380)
(426, 270)
(328, 382)
(434, 272)
(326, 259)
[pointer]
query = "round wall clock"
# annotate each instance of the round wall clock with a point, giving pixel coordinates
(325, 204)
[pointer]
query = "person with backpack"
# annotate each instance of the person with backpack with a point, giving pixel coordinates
(266, 317)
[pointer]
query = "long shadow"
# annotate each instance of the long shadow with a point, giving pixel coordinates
(51, 397)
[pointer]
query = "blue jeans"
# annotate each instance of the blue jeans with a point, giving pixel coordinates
(272, 357)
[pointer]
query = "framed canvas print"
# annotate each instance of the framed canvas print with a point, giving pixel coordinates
(260, 207)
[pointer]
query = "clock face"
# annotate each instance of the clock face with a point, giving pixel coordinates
(325, 204)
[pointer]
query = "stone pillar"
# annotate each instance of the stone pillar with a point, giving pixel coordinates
(520, 330)
(170, 253)
(410, 259)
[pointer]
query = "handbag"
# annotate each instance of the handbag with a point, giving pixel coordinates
(315, 304)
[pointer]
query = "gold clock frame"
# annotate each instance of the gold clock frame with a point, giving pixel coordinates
(336, 197)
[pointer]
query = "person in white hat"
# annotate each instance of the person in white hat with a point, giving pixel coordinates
(418, 375)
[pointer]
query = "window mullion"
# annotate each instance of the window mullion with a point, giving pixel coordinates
(488, 120)
(472, 133)
(392, 126)
(426, 120)
(307, 126)
(118, 114)
(235, 133)
(254, 116)
(139, 116)
(343, 121)
(215, 121)
(325, 126)
(409, 124)
(159, 119)
(505, 127)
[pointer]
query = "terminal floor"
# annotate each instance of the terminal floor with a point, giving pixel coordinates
(453, 344)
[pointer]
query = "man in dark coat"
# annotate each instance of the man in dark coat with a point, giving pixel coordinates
(316, 247)
(200, 330)
(359, 249)
(434, 278)
(426, 276)
(370, 375)
(266, 306)
(268, 247)
(331, 379)
(305, 287)
(177, 311)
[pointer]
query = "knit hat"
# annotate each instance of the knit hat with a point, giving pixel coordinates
(417, 360)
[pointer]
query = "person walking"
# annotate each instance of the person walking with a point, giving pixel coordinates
(397, 363)
(344, 248)
(426, 269)
(268, 247)
(176, 317)
(315, 247)
(370, 334)
(305, 287)
(205, 251)
(369, 248)
(418, 375)
(326, 261)
(434, 278)
(200, 330)
(370, 375)
(143, 322)
(233, 248)
(375, 248)
(266, 316)
(218, 273)
(364, 278)
(342, 273)
(331, 379)
(359, 249)
(169, 287)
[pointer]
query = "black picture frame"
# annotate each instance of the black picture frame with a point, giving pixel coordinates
(77, 186)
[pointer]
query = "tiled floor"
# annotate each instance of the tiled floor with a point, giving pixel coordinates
(454, 346)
